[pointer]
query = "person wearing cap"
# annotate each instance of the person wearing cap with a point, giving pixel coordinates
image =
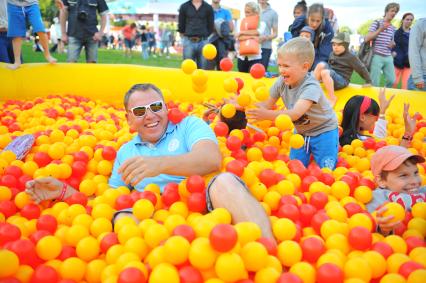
(307, 32)
(337, 73)
(396, 173)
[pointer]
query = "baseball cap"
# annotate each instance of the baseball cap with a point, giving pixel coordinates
(308, 29)
(390, 157)
(341, 37)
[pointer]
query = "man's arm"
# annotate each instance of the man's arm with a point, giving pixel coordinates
(63, 16)
(204, 158)
(373, 34)
(98, 35)
(414, 56)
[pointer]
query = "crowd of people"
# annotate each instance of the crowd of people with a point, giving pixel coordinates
(397, 56)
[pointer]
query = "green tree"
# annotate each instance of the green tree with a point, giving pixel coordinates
(363, 28)
(48, 10)
(345, 29)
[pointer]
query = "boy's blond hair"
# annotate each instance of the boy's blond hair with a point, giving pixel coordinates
(301, 47)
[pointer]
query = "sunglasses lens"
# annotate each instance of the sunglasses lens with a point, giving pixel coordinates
(139, 111)
(156, 106)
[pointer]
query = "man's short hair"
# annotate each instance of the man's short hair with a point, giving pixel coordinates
(254, 7)
(140, 87)
(390, 6)
(301, 47)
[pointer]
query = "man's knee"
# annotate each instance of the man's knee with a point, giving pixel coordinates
(225, 187)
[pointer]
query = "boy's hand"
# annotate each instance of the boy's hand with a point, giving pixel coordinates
(59, 4)
(420, 85)
(385, 226)
(409, 121)
(383, 102)
(259, 114)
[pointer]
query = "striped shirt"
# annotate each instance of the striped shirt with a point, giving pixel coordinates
(382, 41)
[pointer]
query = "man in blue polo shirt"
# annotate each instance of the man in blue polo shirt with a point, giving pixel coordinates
(164, 152)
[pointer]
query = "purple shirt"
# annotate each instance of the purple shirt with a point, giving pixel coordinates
(382, 41)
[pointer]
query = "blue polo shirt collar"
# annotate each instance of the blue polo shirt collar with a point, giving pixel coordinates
(170, 128)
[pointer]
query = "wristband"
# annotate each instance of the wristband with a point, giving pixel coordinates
(63, 191)
(382, 116)
(407, 137)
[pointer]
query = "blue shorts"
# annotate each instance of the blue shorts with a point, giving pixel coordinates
(339, 80)
(323, 147)
(17, 19)
(129, 43)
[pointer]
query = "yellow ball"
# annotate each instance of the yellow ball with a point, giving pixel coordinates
(262, 93)
(9, 263)
(419, 210)
(284, 122)
(358, 267)
(201, 254)
(199, 77)
(284, 229)
(363, 194)
(99, 226)
(418, 224)
(104, 167)
(417, 276)
(396, 210)
(244, 99)
(155, 234)
(49, 247)
(230, 85)
(254, 256)
(56, 151)
(137, 246)
(164, 272)
(73, 268)
(128, 231)
(87, 187)
(177, 249)
(209, 51)
(305, 271)
(228, 110)
(297, 141)
(289, 253)
(94, 270)
(397, 243)
(266, 275)
(88, 248)
(340, 189)
(230, 267)
(5, 193)
(143, 209)
(188, 66)
(377, 263)
(247, 232)
(392, 278)
(394, 262)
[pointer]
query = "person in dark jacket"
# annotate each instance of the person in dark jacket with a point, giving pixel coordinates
(323, 31)
(400, 51)
(341, 64)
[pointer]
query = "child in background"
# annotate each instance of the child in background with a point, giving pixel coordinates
(361, 113)
(18, 13)
(306, 104)
(395, 171)
(315, 18)
(307, 32)
(341, 64)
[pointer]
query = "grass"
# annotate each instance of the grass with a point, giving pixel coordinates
(107, 56)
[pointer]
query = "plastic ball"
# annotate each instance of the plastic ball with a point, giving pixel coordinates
(9, 263)
(396, 210)
(289, 253)
(188, 66)
(209, 51)
(297, 141)
(49, 247)
(257, 71)
(223, 237)
(230, 267)
(228, 110)
(226, 64)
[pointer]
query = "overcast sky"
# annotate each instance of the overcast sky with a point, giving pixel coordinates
(350, 13)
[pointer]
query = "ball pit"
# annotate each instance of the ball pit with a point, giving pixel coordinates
(318, 216)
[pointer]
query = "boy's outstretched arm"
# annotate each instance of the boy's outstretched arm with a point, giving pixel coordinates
(300, 108)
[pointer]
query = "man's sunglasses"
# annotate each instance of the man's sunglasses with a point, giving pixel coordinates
(140, 111)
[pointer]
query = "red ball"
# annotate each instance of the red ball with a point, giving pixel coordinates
(9, 181)
(185, 231)
(233, 143)
(268, 177)
(8, 208)
(108, 241)
(109, 153)
(306, 183)
(221, 129)
(407, 267)
(287, 199)
(81, 156)
(169, 197)
(270, 153)
(123, 201)
(9, 233)
(307, 211)
(270, 245)
(296, 166)
(236, 167)
(31, 211)
(79, 168)
(189, 274)
(223, 237)
(149, 196)
(44, 274)
(25, 250)
(13, 170)
(131, 275)
(42, 159)
(257, 71)
(240, 83)
(77, 198)
(312, 249)
(413, 242)
(37, 235)
(226, 64)
(259, 137)
(367, 182)
(317, 220)
(195, 184)
(197, 202)
(360, 238)
(318, 199)
(369, 143)
(289, 211)
(352, 208)
(67, 252)
(175, 115)
(289, 277)
(329, 272)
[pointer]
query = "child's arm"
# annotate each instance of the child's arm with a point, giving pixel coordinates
(360, 68)
(385, 227)
(380, 128)
(410, 126)
(300, 108)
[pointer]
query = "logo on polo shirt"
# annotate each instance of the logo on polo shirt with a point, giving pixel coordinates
(173, 145)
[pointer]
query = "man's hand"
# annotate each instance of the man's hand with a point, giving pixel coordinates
(409, 121)
(64, 38)
(98, 36)
(137, 168)
(259, 114)
(384, 26)
(383, 102)
(59, 4)
(385, 226)
(43, 189)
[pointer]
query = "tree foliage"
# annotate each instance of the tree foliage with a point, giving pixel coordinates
(48, 10)
(345, 29)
